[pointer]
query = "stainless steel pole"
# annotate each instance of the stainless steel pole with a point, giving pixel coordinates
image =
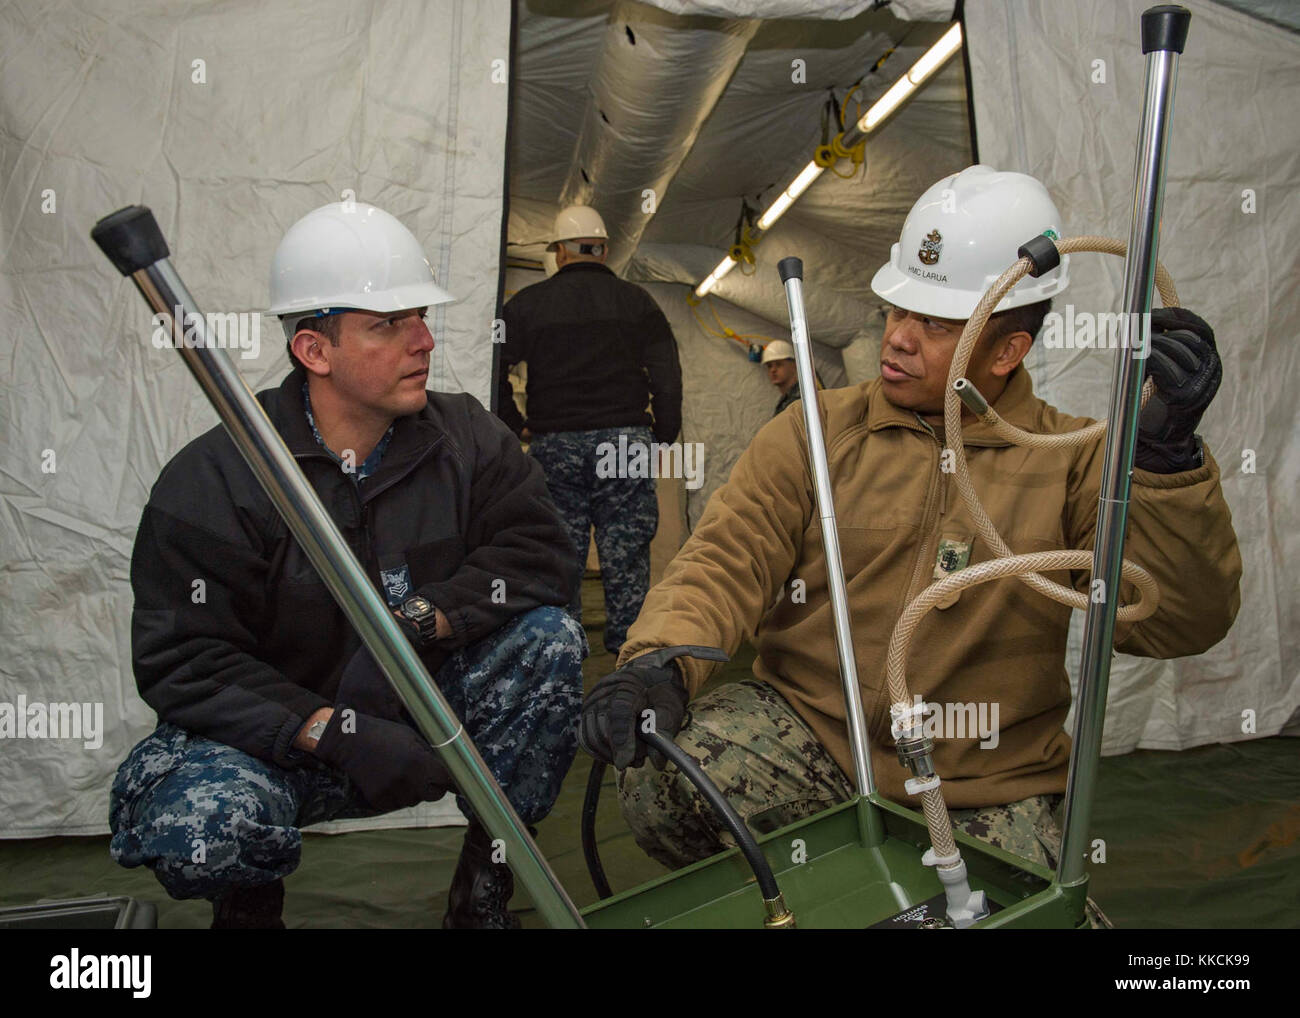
(791, 270)
(1164, 32)
(132, 240)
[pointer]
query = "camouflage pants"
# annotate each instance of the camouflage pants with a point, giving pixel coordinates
(773, 770)
(206, 817)
(623, 509)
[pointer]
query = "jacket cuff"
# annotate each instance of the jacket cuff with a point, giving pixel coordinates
(694, 672)
(1184, 479)
(456, 618)
(459, 622)
(282, 752)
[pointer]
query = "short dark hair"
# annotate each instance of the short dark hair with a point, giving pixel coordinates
(1026, 318)
(330, 326)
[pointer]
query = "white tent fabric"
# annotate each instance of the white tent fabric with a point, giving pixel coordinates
(1039, 110)
(230, 121)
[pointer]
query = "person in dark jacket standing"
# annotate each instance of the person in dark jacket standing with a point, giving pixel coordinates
(272, 716)
(599, 353)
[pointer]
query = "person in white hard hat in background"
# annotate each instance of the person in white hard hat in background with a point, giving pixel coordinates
(272, 716)
(778, 359)
(603, 377)
(778, 746)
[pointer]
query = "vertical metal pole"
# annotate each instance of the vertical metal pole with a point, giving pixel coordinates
(1164, 32)
(791, 270)
(135, 245)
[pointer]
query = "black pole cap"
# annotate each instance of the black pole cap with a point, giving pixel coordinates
(131, 239)
(790, 268)
(1042, 252)
(1165, 28)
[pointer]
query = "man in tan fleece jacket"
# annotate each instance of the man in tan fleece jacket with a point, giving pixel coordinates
(755, 566)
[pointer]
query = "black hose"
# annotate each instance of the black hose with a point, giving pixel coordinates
(589, 849)
(748, 846)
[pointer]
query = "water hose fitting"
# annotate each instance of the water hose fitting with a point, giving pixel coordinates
(965, 907)
(778, 916)
(915, 755)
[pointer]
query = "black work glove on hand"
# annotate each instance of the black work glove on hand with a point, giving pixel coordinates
(390, 764)
(612, 714)
(1185, 365)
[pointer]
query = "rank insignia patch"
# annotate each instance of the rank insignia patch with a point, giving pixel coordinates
(952, 556)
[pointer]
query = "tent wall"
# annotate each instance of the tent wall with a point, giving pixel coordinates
(105, 105)
(1058, 93)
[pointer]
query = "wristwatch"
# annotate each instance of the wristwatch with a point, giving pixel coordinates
(421, 612)
(317, 730)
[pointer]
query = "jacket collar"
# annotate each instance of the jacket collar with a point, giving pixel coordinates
(585, 267)
(414, 436)
(289, 415)
(1017, 405)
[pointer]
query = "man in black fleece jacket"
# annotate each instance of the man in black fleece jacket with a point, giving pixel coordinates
(604, 388)
(271, 714)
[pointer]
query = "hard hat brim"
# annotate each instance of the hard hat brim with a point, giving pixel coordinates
(401, 298)
(922, 298)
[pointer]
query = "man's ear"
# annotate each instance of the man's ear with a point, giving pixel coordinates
(308, 347)
(1010, 351)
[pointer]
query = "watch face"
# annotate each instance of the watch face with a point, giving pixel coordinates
(417, 607)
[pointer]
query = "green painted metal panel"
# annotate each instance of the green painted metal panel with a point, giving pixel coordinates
(846, 868)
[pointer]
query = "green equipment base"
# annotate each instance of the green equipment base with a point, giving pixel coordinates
(850, 867)
(101, 913)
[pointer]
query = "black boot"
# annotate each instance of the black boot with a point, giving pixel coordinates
(481, 888)
(250, 908)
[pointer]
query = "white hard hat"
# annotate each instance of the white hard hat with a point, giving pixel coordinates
(961, 235)
(350, 255)
(575, 223)
(778, 350)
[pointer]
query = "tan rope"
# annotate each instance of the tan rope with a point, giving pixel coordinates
(1006, 562)
(983, 311)
(937, 820)
(993, 569)
(952, 405)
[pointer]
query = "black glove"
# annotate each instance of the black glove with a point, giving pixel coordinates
(364, 688)
(390, 764)
(612, 714)
(1185, 365)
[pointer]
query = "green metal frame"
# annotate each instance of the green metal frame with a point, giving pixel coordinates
(862, 864)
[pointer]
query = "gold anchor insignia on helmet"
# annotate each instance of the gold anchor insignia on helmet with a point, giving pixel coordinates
(930, 248)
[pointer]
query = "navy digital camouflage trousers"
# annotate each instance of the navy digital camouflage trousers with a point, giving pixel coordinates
(206, 817)
(596, 479)
(770, 766)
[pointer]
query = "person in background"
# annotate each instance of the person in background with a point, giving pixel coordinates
(778, 358)
(603, 373)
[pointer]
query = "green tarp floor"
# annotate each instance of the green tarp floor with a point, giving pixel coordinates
(1206, 838)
